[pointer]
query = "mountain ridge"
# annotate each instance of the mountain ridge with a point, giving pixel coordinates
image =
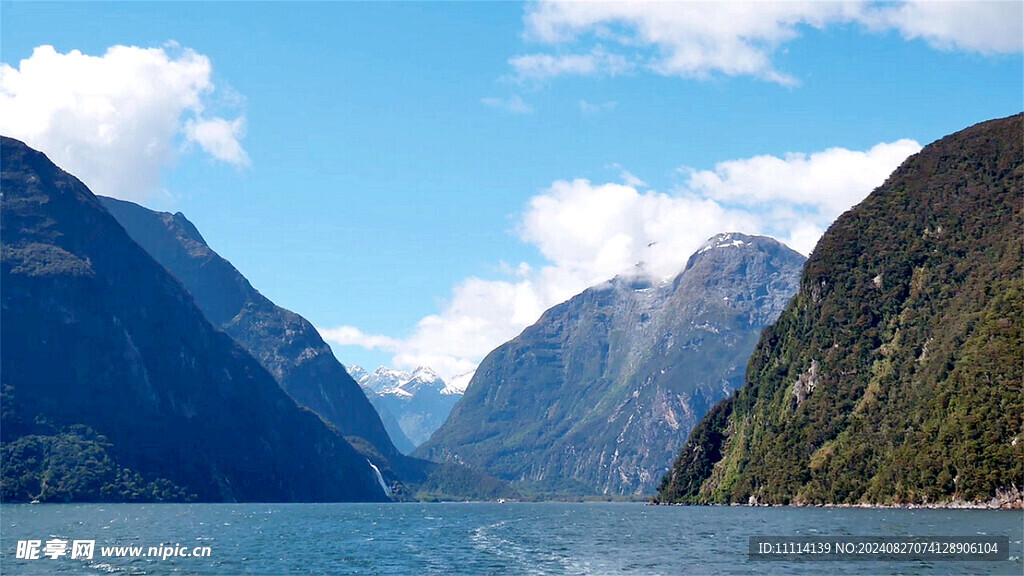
(894, 375)
(593, 398)
(284, 342)
(109, 368)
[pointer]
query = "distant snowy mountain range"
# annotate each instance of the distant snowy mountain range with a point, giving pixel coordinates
(387, 381)
(411, 404)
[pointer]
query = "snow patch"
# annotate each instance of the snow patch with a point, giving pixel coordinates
(386, 381)
(722, 241)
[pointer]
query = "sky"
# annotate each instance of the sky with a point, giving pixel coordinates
(421, 180)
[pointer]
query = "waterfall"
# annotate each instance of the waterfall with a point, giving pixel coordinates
(380, 479)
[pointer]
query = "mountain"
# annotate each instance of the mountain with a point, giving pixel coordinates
(894, 375)
(390, 421)
(391, 424)
(599, 395)
(457, 384)
(116, 387)
(286, 344)
(291, 349)
(420, 400)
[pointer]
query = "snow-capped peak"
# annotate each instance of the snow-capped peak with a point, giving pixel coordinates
(383, 380)
(423, 378)
(386, 381)
(424, 374)
(357, 372)
(726, 240)
(384, 372)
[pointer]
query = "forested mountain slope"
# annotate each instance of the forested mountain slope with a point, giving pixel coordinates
(895, 373)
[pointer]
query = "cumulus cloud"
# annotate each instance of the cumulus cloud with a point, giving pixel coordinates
(352, 336)
(699, 39)
(589, 232)
(479, 315)
(219, 138)
(800, 194)
(982, 27)
(117, 120)
(513, 104)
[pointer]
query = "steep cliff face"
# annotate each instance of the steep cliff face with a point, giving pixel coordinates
(286, 344)
(599, 395)
(109, 367)
(895, 373)
(290, 348)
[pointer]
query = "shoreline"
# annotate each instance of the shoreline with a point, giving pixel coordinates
(1012, 499)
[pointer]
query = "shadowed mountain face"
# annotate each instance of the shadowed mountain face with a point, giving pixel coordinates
(599, 395)
(286, 344)
(291, 349)
(895, 373)
(110, 371)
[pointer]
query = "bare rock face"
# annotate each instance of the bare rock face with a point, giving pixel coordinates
(806, 383)
(599, 395)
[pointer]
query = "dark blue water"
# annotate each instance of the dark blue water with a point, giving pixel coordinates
(415, 539)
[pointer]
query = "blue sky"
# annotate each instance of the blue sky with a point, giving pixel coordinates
(421, 180)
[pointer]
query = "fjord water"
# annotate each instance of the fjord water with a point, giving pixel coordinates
(471, 538)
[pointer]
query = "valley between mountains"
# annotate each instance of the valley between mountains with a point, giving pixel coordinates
(140, 366)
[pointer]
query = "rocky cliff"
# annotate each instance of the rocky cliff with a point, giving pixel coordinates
(599, 395)
(116, 387)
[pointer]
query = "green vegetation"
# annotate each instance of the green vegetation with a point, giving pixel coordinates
(447, 482)
(75, 466)
(894, 376)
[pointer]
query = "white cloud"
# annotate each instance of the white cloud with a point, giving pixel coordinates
(116, 120)
(480, 315)
(543, 66)
(514, 104)
(352, 336)
(589, 232)
(797, 196)
(689, 39)
(699, 39)
(825, 183)
(219, 138)
(628, 178)
(983, 27)
(589, 109)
